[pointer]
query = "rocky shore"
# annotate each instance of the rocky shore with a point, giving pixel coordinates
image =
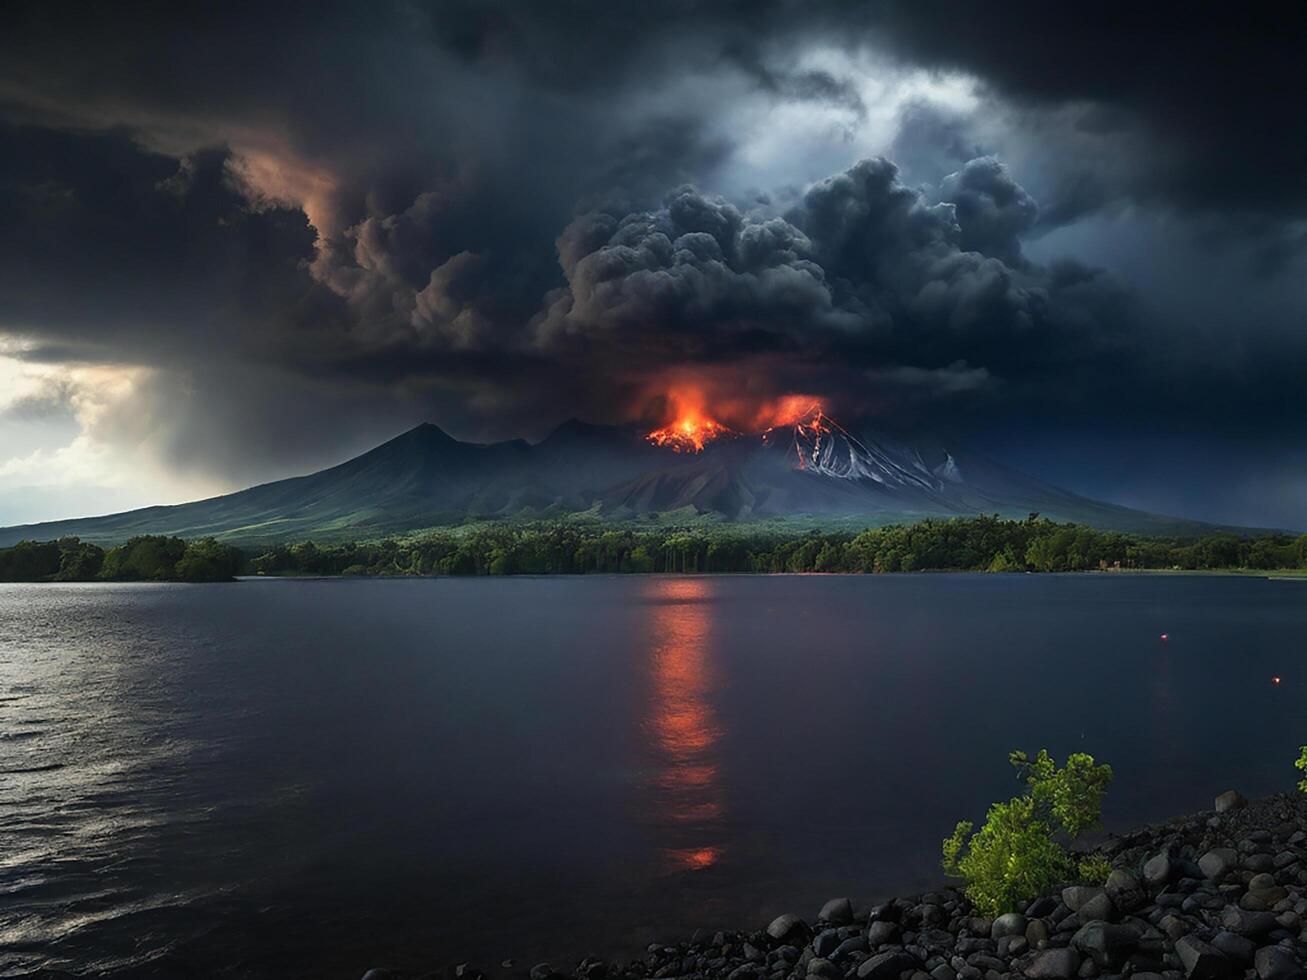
(1220, 895)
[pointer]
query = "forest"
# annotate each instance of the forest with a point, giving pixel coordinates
(148, 558)
(987, 543)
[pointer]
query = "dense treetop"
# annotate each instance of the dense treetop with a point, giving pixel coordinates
(959, 544)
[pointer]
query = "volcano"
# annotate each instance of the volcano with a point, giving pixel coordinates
(812, 468)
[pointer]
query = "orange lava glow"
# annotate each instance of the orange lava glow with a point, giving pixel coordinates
(689, 433)
(698, 416)
(791, 410)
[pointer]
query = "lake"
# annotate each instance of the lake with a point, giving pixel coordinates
(309, 777)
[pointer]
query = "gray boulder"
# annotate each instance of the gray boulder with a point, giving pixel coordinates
(1108, 945)
(1173, 926)
(1010, 946)
(1054, 964)
(1238, 948)
(1126, 892)
(1098, 908)
(1230, 800)
(854, 944)
(886, 966)
(1076, 896)
(1037, 933)
(1247, 923)
(1277, 963)
(838, 911)
(1010, 924)
(1204, 962)
(787, 926)
(825, 942)
(1218, 862)
(881, 933)
(1157, 870)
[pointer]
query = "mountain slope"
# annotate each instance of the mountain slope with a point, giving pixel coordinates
(815, 469)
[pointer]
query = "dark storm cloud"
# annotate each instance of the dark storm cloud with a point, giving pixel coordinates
(345, 217)
(108, 247)
(862, 271)
(993, 211)
(1200, 96)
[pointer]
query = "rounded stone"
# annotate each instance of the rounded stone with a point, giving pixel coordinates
(838, 911)
(1009, 924)
(882, 933)
(1219, 862)
(1276, 963)
(1157, 870)
(786, 925)
(1099, 907)
(1230, 800)
(1037, 933)
(1054, 964)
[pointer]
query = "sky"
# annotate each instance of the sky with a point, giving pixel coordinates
(246, 241)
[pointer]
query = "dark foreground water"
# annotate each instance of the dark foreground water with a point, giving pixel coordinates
(305, 778)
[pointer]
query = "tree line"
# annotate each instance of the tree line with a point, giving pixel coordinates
(148, 558)
(987, 543)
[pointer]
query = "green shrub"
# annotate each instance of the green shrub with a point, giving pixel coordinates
(1301, 764)
(1094, 869)
(1072, 796)
(1016, 854)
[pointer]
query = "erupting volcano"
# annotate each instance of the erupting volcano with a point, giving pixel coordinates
(689, 433)
(693, 426)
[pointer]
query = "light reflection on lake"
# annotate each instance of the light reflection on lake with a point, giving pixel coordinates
(682, 724)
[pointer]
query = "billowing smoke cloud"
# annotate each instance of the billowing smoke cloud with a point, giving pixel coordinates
(862, 274)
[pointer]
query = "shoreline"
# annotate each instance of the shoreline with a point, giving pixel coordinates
(1216, 895)
(1271, 575)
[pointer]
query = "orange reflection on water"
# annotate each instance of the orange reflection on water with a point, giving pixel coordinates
(682, 725)
(694, 860)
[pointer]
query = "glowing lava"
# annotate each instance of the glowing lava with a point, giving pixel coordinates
(792, 410)
(693, 426)
(689, 433)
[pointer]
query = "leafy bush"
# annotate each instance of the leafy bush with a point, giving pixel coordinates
(1301, 764)
(1094, 869)
(1016, 854)
(1073, 796)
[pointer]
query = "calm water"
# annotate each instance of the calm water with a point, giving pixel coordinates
(305, 778)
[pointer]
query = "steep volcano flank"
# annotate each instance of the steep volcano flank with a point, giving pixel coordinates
(820, 445)
(709, 481)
